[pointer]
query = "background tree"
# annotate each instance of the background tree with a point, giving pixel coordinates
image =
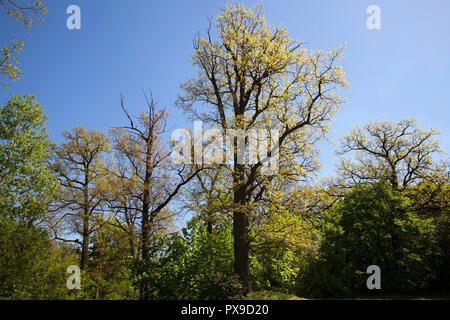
(26, 183)
(400, 153)
(123, 201)
(108, 275)
(79, 162)
(251, 77)
(32, 266)
(155, 180)
(209, 198)
(372, 225)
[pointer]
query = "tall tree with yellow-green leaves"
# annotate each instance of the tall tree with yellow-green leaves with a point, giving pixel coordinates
(150, 181)
(254, 76)
(80, 164)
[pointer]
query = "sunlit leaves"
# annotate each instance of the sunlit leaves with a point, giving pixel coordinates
(401, 153)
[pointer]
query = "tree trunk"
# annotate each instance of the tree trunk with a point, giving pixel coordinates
(85, 240)
(143, 290)
(240, 233)
(85, 244)
(241, 251)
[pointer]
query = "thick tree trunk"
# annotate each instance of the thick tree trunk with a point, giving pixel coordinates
(241, 251)
(85, 243)
(143, 290)
(240, 233)
(85, 240)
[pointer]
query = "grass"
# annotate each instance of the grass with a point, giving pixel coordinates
(273, 295)
(270, 295)
(430, 296)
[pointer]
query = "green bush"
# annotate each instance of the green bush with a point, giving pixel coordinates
(373, 225)
(31, 265)
(193, 264)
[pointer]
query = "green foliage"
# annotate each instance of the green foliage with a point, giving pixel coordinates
(190, 265)
(274, 268)
(108, 276)
(21, 10)
(26, 182)
(9, 62)
(441, 258)
(432, 200)
(31, 265)
(280, 246)
(372, 225)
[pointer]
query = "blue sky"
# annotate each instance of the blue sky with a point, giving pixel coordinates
(402, 70)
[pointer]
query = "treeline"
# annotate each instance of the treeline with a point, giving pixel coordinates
(111, 202)
(77, 204)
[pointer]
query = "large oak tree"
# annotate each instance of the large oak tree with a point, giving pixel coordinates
(253, 76)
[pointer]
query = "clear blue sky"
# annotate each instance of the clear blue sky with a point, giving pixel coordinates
(402, 70)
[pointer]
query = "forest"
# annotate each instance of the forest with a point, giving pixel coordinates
(115, 209)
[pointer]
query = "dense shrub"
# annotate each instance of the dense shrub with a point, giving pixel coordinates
(373, 225)
(193, 264)
(32, 266)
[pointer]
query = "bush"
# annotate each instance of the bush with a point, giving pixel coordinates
(193, 264)
(372, 225)
(31, 265)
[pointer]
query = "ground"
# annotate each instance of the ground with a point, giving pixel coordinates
(272, 295)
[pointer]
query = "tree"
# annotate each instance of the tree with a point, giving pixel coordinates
(372, 225)
(123, 200)
(255, 77)
(20, 11)
(31, 265)
(191, 264)
(9, 61)
(400, 153)
(155, 181)
(81, 168)
(27, 185)
(208, 197)
(431, 199)
(281, 244)
(108, 275)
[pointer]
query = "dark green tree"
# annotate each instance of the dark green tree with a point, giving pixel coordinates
(372, 225)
